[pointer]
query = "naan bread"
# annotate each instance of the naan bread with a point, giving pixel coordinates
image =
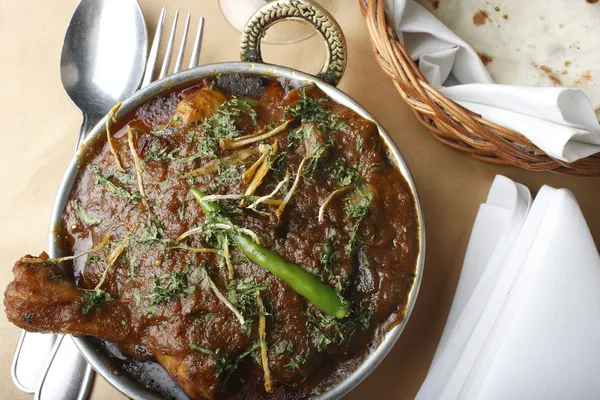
(531, 42)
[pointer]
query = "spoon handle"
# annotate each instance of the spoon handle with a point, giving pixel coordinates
(28, 362)
(67, 376)
(86, 126)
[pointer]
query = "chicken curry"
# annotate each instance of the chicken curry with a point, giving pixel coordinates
(254, 238)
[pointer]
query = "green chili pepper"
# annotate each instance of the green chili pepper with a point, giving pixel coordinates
(300, 280)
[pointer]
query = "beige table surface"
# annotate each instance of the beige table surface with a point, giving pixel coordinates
(38, 128)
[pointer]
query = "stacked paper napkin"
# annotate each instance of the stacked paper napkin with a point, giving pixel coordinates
(560, 121)
(525, 321)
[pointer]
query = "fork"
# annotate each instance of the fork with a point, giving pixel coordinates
(153, 56)
(54, 374)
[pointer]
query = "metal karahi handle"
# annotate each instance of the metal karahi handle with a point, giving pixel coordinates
(303, 11)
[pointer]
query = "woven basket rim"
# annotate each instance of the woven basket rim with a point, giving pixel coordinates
(450, 123)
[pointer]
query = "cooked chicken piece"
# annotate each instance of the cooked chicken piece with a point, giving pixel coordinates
(196, 378)
(197, 105)
(41, 298)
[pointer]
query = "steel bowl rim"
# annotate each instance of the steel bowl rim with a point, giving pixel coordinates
(126, 384)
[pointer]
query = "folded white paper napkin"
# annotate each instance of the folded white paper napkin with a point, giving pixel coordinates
(526, 315)
(560, 121)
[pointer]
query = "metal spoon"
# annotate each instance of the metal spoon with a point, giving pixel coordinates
(103, 56)
(102, 62)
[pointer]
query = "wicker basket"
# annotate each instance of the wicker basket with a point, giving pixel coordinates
(450, 123)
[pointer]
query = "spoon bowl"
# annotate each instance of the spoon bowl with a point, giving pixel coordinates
(103, 56)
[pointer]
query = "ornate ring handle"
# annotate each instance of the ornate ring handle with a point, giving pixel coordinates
(304, 11)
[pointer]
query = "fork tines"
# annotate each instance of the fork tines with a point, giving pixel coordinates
(153, 56)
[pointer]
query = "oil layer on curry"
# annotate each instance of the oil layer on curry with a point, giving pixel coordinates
(253, 238)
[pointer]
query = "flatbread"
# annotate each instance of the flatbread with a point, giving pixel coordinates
(531, 42)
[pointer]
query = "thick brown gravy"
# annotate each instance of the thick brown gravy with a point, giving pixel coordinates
(156, 302)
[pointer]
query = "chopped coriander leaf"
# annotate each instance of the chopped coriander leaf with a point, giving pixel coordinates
(364, 316)
(319, 339)
(325, 329)
(158, 154)
(201, 152)
(329, 258)
(256, 357)
(124, 176)
(201, 349)
(342, 174)
(311, 165)
(137, 296)
(153, 232)
(295, 137)
(209, 317)
(27, 318)
(222, 125)
(283, 346)
(357, 210)
(93, 298)
(226, 367)
(360, 142)
(211, 236)
(164, 184)
(296, 362)
(169, 286)
(188, 159)
(340, 281)
(124, 322)
(228, 175)
(274, 159)
(131, 261)
(242, 294)
(278, 163)
(86, 219)
(95, 259)
(207, 147)
(191, 133)
(117, 190)
(328, 255)
(311, 110)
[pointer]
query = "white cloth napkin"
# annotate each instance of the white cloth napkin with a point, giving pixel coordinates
(525, 321)
(560, 121)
